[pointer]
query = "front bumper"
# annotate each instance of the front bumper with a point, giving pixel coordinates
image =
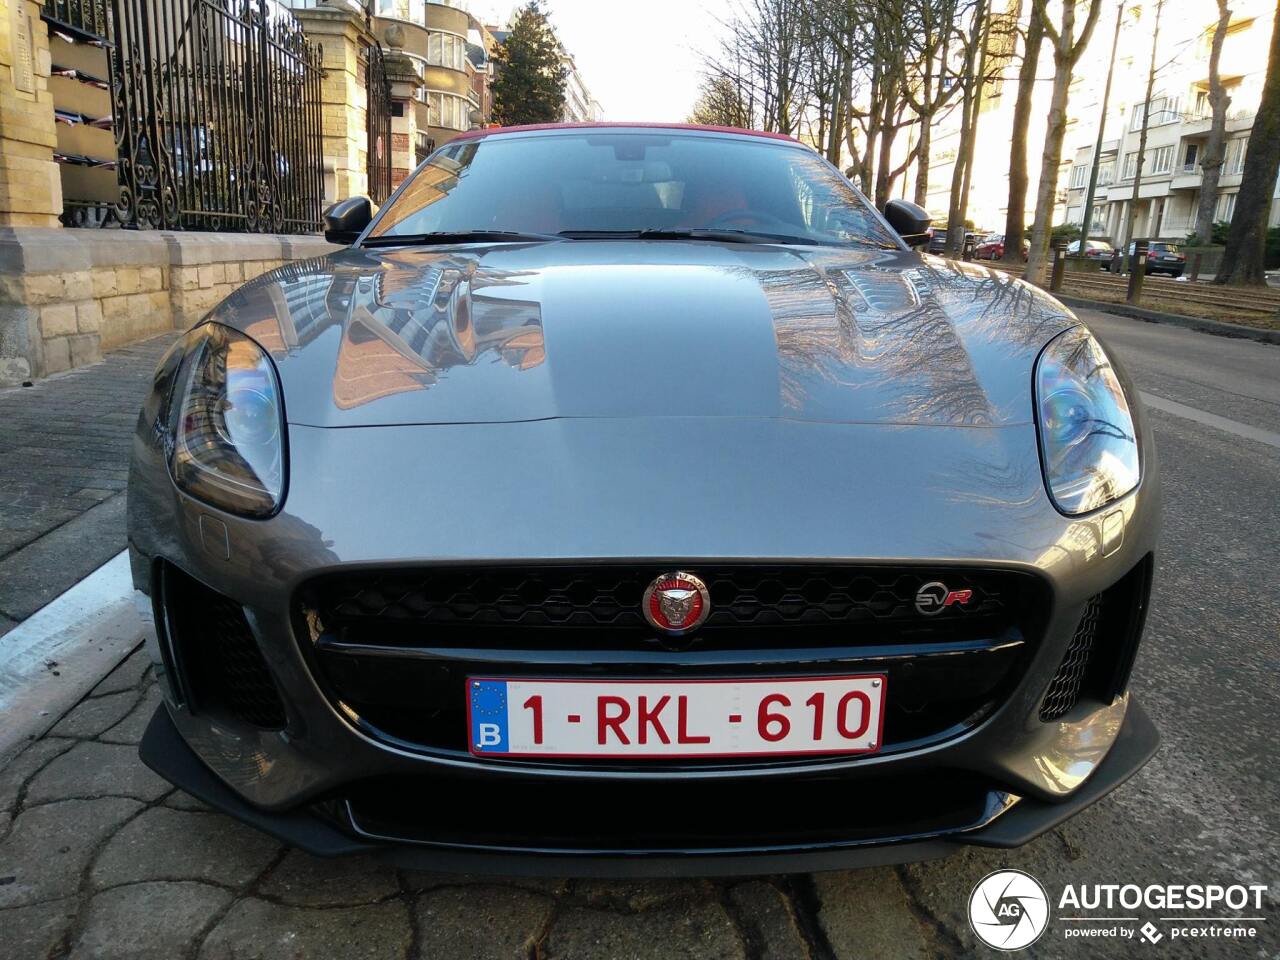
(165, 752)
(1019, 773)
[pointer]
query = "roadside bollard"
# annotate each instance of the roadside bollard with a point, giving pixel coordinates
(1117, 263)
(1059, 268)
(969, 243)
(1196, 260)
(1137, 272)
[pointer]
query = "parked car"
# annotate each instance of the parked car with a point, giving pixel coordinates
(938, 240)
(547, 526)
(1099, 250)
(992, 248)
(1161, 258)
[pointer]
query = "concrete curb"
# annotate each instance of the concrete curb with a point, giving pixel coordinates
(58, 654)
(1218, 328)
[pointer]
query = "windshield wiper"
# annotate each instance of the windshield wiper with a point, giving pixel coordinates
(454, 236)
(691, 233)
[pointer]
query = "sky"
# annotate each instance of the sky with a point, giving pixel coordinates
(641, 60)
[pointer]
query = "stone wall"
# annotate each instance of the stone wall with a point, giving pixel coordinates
(68, 295)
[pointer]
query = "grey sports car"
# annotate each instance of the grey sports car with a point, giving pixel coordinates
(636, 500)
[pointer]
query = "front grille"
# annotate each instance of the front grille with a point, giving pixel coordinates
(218, 660)
(580, 606)
(1100, 655)
(393, 648)
(1064, 689)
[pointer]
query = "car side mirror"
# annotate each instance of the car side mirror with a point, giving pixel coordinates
(910, 220)
(346, 219)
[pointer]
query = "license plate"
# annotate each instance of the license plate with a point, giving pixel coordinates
(674, 718)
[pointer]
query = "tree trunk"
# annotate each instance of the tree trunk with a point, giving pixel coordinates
(1244, 259)
(1015, 221)
(1146, 125)
(1067, 49)
(884, 164)
(1214, 153)
(922, 161)
(968, 121)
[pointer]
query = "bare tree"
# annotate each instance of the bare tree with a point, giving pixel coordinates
(1244, 260)
(1146, 123)
(971, 101)
(1214, 154)
(1015, 226)
(1068, 47)
(720, 104)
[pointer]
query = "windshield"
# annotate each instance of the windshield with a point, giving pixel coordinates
(604, 183)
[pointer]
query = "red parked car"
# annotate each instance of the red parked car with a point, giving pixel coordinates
(992, 248)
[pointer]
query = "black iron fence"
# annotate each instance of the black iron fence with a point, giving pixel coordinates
(216, 109)
(88, 18)
(378, 121)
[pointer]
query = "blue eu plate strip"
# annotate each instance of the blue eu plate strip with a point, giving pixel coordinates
(488, 715)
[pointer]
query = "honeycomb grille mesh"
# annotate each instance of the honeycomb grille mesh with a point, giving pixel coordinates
(221, 663)
(245, 684)
(1064, 690)
(741, 597)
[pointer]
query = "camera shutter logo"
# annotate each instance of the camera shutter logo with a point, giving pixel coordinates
(1008, 910)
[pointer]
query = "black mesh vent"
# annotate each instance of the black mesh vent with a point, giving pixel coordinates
(1064, 691)
(218, 658)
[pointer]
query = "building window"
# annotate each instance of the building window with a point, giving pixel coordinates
(1079, 177)
(1226, 207)
(1163, 110)
(1189, 157)
(1235, 155)
(1074, 215)
(446, 50)
(1130, 166)
(447, 110)
(415, 11)
(1106, 173)
(1162, 160)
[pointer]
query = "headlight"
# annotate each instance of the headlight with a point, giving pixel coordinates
(228, 423)
(1086, 428)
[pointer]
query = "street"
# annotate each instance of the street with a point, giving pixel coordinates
(99, 858)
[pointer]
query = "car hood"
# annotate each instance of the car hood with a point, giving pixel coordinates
(621, 329)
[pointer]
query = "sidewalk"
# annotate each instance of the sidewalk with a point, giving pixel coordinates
(64, 450)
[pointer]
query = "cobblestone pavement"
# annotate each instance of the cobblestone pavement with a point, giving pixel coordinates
(100, 858)
(64, 446)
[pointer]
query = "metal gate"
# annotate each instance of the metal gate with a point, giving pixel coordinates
(217, 116)
(378, 122)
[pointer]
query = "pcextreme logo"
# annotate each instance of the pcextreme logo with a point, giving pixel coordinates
(1009, 910)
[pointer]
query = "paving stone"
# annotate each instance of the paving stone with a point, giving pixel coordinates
(180, 800)
(37, 931)
(147, 921)
(49, 436)
(90, 717)
(418, 881)
(635, 895)
(131, 728)
(165, 844)
(258, 930)
(48, 846)
(480, 922)
(768, 921)
(866, 913)
(305, 881)
(697, 930)
(126, 676)
(96, 770)
(21, 767)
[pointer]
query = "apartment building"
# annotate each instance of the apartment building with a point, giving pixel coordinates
(1176, 133)
(1178, 120)
(579, 104)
